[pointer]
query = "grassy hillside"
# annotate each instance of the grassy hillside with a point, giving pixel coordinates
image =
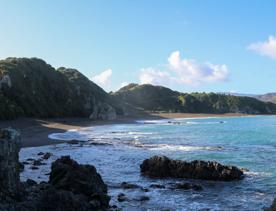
(158, 98)
(33, 88)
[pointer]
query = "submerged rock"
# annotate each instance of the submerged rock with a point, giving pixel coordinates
(126, 185)
(121, 197)
(157, 186)
(73, 142)
(188, 186)
(47, 155)
(162, 167)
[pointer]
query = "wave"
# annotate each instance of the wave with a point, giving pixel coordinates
(169, 147)
(160, 121)
(205, 123)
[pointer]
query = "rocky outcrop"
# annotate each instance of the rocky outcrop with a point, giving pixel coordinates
(71, 186)
(103, 112)
(9, 164)
(162, 167)
(66, 174)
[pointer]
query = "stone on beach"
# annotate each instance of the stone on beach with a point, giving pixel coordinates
(163, 167)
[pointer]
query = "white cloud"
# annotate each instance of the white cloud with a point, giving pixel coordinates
(103, 79)
(153, 76)
(266, 48)
(123, 84)
(184, 71)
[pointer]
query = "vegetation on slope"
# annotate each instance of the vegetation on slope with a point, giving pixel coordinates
(32, 88)
(158, 98)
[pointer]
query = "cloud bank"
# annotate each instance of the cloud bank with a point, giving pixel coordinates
(103, 79)
(266, 48)
(184, 71)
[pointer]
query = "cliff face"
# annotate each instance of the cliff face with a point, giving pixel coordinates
(158, 98)
(9, 165)
(33, 88)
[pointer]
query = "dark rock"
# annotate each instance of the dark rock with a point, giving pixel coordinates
(46, 197)
(38, 163)
(272, 207)
(157, 186)
(21, 166)
(144, 198)
(188, 186)
(126, 185)
(40, 153)
(67, 174)
(34, 167)
(162, 167)
(114, 208)
(121, 197)
(30, 159)
(9, 164)
(73, 142)
(47, 155)
(25, 163)
(30, 182)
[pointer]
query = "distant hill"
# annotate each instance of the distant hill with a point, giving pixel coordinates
(158, 98)
(269, 97)
(33, 88)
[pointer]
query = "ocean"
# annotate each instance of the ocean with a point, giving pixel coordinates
(118, 150)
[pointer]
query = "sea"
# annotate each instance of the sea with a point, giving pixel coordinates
(117, 151)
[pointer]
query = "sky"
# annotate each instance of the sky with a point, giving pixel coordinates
(186, 45)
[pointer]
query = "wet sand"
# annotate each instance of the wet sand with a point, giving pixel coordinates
(34, 132)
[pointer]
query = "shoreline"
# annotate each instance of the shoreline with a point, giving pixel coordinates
(34, 132)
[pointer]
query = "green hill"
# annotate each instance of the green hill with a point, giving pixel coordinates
(158, 98)
(33, 88)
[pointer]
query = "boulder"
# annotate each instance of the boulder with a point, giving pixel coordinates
(162, 167)
(66, 174)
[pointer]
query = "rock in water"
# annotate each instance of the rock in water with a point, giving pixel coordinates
(9, 164)
(66, 174)
(162, 167)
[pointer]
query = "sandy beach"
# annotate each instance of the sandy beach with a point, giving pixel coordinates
(34, 132)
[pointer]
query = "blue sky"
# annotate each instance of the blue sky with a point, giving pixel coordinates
(206, 45)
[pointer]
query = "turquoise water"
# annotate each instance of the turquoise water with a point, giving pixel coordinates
(247, 142)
